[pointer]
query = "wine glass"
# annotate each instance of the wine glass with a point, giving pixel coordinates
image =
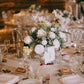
(1, 56)
(3, 49)
(7, 43)
(2, 53)
(27, 57)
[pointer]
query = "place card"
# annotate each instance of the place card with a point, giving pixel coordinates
(66, 71)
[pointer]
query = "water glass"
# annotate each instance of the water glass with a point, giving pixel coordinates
(2, 53)
(1, 56)
(7, 43)
(3, 49)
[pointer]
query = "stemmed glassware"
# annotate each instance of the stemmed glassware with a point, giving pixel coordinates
(1, 56)
(7, 44)
(3, 49)
(2, 52)
(27, 57)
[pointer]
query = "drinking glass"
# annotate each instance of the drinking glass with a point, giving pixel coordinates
(1, 56)
(2, 53)
(7, 43)
(3, 49)
(26, 58)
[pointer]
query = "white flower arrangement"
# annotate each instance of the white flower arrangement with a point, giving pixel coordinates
(33, 8)
(44, 36)
(58, 19)
(41, 20)
(66, 14)
(62, 17)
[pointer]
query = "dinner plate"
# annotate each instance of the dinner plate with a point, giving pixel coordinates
(72, 79)
(30, 81)
(8, 79)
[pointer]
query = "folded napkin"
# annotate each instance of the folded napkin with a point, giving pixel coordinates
(8, 79)
(73, 79)
(30, 81)
(69, 44)
(80, 25)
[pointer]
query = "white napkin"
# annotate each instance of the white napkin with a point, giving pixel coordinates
(73, 79)
(69, 44)
(66, 57)
(30, 81)
(8, 79)
(54, 80)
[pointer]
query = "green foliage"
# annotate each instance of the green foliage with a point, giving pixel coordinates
(38, 40)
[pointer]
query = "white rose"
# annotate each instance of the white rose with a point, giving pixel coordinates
(41, 19)
(52, 35)
(65, 11)
(33, 29)
(44, 42)
(52, 29)
(26, 50)
(67, 20)
(54, 12)
(48, 23)
(27, 40)
(56, 43)
(41, 32)
(39, 49)
(62, 35)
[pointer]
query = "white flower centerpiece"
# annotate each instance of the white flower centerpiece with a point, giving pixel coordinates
(58, 17)
(45, 40)
(62, 17)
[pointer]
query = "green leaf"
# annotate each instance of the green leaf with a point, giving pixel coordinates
(66, 32)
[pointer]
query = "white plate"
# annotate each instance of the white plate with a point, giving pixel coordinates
(8, 79)
(30, 81)
(73, 79)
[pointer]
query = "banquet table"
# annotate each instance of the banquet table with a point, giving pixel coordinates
(43, 60)
(40, 71)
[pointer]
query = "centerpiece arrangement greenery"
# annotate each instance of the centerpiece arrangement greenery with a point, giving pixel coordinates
(43, 37)
(47, 36)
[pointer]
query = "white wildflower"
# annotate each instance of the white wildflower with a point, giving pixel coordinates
(56, 43)
(27, 40)
(41, 33)
(62, 35)
(33, 29)
(39, 49)
(47, 23)
(52, 29)
(27, 50)
(52, 35)
(44, 42)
